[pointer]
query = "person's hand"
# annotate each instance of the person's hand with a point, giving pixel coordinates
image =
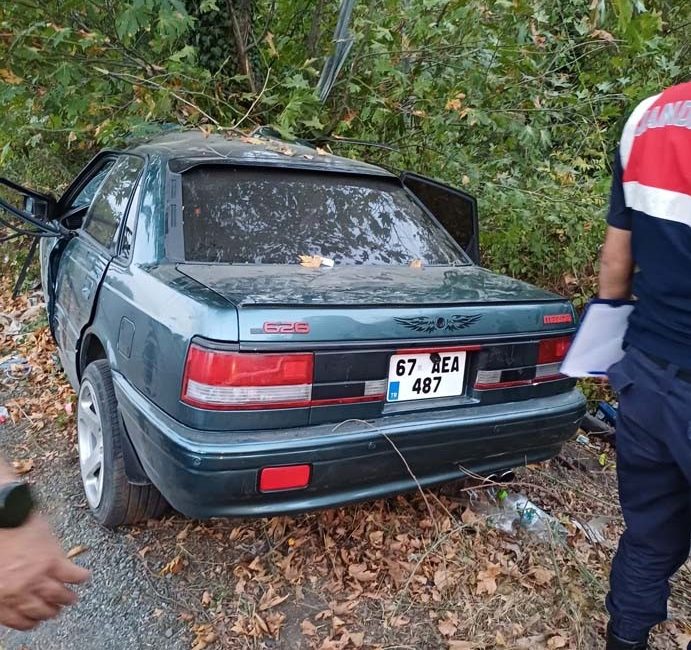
(33, 574)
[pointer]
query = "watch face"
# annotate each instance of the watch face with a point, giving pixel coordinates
(17, 505)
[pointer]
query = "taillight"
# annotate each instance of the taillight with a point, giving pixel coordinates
(551, 352)
(223, 380)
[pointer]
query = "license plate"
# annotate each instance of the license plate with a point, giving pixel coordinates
(424, 376)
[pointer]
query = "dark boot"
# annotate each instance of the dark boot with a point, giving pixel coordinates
(615, 643)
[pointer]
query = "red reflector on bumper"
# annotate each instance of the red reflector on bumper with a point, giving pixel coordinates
(290, 477)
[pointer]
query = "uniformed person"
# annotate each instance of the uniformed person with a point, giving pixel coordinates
(649, 232)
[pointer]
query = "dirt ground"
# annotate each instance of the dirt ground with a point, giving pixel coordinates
(422, 571)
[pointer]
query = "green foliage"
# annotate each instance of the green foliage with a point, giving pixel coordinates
(517, 101)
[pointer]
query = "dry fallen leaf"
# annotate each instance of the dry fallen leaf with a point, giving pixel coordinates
(261, 623)
(183, 534)
(280, 147)
(247, 139)
(416, 264)
(460, 645)
(360, 573)
(76, 550)
(447, 627)
(310, 261)
(274, 621)
(270, 599)
(556, 642)
(542, 576)
(441, 579)
(205, 635)
(207, 599)
(486, 580)
(173, 567)
(23, 466)
(602, 35)
(308, 628)
(469, 517)
(530, 642)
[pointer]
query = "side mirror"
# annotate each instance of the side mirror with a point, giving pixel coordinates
(39, 208)
(36, 209)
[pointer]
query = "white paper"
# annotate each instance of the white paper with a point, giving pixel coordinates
(599, 340)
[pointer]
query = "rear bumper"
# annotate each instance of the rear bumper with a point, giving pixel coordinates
(215, 473)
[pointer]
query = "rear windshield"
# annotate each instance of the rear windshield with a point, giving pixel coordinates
(267, 216)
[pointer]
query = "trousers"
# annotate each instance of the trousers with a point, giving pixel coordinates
(654, 476)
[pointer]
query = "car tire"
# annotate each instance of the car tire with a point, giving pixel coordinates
(113, 500)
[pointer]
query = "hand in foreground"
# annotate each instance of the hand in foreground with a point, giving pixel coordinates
(33, 575)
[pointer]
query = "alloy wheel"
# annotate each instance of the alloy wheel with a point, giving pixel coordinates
(90, 439)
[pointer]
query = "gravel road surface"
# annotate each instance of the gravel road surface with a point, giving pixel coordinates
(124, 606)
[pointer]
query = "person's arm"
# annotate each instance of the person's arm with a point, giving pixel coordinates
(616, 261)
(616, 265)
(33, 571)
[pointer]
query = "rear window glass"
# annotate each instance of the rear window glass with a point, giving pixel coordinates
(267, 216)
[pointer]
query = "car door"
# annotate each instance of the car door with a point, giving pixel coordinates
(69, 214)
(85, 258)
(453, 208)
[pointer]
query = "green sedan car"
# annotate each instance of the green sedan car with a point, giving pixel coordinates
(256, 327)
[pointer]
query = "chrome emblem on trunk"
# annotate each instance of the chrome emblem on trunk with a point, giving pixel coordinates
(429, 325)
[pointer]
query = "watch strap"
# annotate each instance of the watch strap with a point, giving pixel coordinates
(16, 504)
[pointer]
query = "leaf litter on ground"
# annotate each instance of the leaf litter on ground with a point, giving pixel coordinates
(418, 572)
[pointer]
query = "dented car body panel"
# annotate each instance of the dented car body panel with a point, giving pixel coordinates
(130, 287)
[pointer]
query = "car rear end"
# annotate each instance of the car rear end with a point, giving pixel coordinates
(396, 364)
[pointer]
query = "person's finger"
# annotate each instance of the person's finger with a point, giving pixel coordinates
(66, 571)
(17, 621)
(55, 592)
(36, 608)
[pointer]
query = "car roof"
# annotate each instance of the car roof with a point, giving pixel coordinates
(188, 148)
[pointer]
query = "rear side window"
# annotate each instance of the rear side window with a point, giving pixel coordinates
(111, 200)
(268, 216)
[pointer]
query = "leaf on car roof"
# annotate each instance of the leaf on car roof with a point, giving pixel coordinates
(248, 139)
(315, 261)
(416, 264)
(310, 261)
(279, 147)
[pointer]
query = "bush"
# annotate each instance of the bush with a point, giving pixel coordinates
(520, 102)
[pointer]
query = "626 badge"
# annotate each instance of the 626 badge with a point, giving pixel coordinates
(426, 375)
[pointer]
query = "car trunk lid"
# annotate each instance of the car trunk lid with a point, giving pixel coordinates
(368, 303)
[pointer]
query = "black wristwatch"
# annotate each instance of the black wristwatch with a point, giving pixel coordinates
(16, 504)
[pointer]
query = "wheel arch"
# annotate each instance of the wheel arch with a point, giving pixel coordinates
(91, 349)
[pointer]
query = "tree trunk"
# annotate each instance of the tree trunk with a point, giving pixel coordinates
(240, 12)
